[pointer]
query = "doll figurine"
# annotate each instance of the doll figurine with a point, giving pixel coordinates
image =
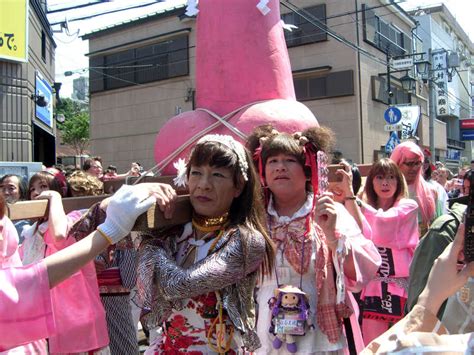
(290, 316)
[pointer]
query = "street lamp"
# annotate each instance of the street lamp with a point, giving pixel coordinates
(408, 82)
(423, 66)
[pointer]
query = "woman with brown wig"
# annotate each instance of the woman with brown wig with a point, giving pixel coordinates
(50, 185)
(394, 224)
(197, 280)
(320, 249)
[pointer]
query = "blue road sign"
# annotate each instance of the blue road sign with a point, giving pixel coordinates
(392, 142)
(44, 114)
(467, 135)
(392, 115)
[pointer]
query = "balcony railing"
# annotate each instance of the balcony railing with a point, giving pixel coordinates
(456, 144)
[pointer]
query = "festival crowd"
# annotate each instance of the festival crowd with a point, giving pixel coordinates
(275, 259)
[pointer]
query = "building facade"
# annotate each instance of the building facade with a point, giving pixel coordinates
(452, 49)
(27, 130)
(142, 73)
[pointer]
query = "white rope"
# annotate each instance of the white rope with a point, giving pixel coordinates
(233, 129)
(220, 120)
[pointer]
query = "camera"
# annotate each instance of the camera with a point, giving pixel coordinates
(469, 223)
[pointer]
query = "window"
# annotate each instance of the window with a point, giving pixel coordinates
(312, 87)
(306, 32)
(43, 46)
(158, 61)
(379, 92)
(383, 35)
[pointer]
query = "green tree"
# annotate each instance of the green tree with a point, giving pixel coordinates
(75, 128)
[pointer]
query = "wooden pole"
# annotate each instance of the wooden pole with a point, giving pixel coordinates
(151, 220)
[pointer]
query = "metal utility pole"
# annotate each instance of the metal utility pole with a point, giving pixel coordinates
(432, 96)
(389, 84)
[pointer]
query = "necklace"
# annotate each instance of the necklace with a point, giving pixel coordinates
(209, 224)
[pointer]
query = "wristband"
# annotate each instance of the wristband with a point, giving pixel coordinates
(105, 236)
(350, 198)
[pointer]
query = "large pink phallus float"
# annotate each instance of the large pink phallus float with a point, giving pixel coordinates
(243, 79)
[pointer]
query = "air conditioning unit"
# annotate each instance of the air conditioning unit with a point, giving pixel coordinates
(453, 60)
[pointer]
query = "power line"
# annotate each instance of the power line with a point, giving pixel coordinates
(462, 82)
(305, 15)
(74, 7)
(314, 21)
(133, 83)
(322, 26)
(105, 13)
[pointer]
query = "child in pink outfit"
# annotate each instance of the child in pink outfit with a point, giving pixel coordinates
(393, 220)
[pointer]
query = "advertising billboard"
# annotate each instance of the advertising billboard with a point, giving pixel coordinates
(44, 114)
(14, 30)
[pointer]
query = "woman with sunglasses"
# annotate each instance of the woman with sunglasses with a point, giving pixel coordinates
(409, 157)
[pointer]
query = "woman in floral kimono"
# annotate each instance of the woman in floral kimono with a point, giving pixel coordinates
(197, 280)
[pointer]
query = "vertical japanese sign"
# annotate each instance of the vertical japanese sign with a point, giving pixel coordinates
(14, 30)
(440, 65)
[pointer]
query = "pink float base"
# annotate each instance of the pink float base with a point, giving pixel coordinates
(284, 115)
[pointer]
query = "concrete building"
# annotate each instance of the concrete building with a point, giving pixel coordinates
(27, 131)
(443, 36)
(151, 77)
(80, 89)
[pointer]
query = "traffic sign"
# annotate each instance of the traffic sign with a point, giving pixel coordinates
(392, 142)
(467, 135)
(393, 127)
(467, 123)
(392, 115)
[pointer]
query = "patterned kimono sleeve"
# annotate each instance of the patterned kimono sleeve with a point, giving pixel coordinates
(126, 262)
(228, 265)
(87, 223)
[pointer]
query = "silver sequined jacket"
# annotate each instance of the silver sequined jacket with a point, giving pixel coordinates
(231, 268)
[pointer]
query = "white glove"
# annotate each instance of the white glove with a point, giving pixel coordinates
(122, 211)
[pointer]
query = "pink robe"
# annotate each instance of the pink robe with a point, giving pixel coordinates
(397, 229)
(9, 245)
(25, 305)
(78, 310)
(9, 257)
